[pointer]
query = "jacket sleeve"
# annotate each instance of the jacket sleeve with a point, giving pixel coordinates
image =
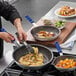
(8, 11)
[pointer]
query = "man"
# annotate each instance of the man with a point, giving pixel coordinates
(10, 13)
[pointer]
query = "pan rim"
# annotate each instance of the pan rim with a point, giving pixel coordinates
(45, 39)
(36, 66)
(67, 69)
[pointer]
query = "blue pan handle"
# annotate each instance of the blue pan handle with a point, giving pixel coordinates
(2, 30)
(29, 19)
(58, 48)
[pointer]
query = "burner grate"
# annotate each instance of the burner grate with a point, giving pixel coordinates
(13, 65)
(10, 72)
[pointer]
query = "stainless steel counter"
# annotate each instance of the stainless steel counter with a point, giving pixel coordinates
(51, 13)
(36, 9)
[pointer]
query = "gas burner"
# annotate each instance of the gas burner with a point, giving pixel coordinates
(14, 70)
(10, 73)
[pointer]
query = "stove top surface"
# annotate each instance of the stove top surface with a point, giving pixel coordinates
(14, 70)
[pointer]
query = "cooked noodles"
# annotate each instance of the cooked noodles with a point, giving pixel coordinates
(32, 59)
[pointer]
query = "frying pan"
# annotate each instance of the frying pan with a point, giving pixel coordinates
(53, 29)
(48, 28)
(62, 57)
(21, 51)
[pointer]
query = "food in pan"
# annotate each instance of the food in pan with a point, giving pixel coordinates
(67, 11)
(66, 63)
(47, 22)
(45, 34)
(32, 59)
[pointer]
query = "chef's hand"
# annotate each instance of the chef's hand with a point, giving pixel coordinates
(6, 36)
(21, 34)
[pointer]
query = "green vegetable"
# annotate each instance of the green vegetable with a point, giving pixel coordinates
(59, 24)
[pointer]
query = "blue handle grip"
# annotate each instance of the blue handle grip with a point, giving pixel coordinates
(2, 30)
(58, 47)
(29, 19)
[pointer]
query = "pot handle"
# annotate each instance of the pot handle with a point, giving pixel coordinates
(13, 41)
(16, 43)
(31, 20)
(58, 48)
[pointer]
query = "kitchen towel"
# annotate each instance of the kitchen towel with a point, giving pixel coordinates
(69, 43)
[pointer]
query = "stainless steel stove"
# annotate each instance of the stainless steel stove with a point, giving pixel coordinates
(14, 70)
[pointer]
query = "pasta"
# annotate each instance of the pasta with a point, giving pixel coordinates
(32, 59)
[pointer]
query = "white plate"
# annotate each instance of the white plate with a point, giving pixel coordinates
(57, 11)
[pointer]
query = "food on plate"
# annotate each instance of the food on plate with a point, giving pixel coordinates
(59, 24)
(66, 11)
(32, 59)
(66, 63)
(47, 22)
(45, 34)
(65, 7)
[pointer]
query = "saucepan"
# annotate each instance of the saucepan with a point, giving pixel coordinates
(69, 66)
(51, 30)
(21, 50)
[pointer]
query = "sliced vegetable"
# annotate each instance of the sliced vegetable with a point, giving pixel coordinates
(59, 24)
(66, 63)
